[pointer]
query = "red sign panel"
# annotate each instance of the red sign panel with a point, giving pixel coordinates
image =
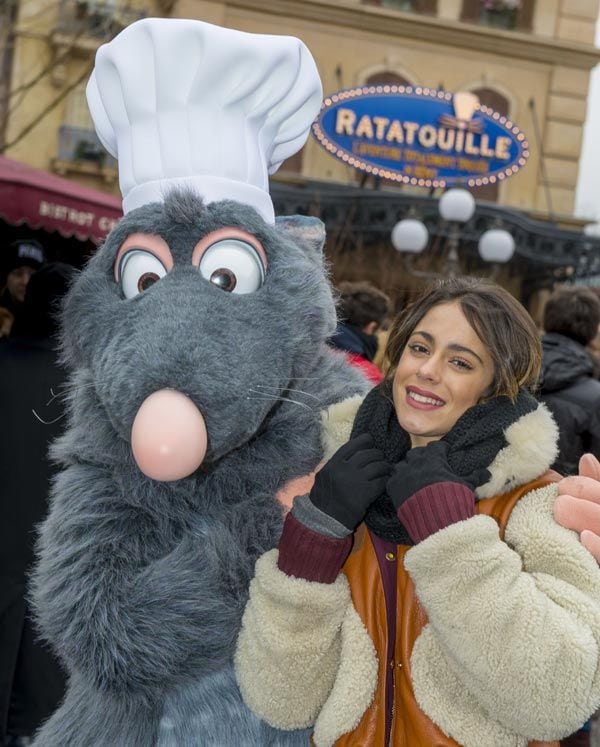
(43, 200)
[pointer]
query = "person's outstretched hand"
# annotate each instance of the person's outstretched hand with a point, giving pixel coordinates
(578, 504)
(350, 481)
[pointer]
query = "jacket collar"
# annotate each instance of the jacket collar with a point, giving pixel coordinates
(532, 446)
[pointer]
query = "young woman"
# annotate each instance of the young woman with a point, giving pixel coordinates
(422, 594)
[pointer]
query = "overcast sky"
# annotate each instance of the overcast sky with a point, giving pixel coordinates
(587, 204)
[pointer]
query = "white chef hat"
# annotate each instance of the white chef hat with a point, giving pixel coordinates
(186, 103)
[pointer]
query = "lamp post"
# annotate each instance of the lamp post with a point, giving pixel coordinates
(456, 207)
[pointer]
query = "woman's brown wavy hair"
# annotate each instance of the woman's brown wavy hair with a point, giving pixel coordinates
(499, 320)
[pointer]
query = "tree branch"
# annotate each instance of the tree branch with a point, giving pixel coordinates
(65, 92)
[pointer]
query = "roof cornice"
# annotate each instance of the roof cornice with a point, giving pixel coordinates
(509, 44)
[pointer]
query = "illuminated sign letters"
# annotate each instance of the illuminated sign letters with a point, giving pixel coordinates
(420, 136)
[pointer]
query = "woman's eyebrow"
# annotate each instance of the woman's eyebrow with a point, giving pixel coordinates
(454, 346)
(462, 349)
(426, 335)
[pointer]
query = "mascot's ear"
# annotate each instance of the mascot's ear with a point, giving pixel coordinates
(306, 231)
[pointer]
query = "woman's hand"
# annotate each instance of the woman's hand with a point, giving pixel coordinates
(427, 466)
(350, 481)
(428, 494)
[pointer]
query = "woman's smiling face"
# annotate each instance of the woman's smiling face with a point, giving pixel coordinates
(444, 370)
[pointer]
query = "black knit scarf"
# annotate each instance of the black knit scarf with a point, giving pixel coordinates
(476, 438)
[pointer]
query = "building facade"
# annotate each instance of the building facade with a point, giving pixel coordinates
(532, 63)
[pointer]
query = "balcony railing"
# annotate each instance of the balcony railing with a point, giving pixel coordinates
(95, 18)
(80, 145)
(355, 215)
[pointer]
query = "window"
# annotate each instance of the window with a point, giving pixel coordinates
(293, 164)
(78, 141)
(97, 18)
(499, 13)
(77, 113)
(378, 79)
(427, 7)
(386, 76)
(498, 102)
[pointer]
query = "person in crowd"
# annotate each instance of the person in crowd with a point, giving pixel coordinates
(422, 593)
(383, 334)
(593, 347)
(18, 263)
(6, 322)
(31, 681)
(568, 386)
(361, 309)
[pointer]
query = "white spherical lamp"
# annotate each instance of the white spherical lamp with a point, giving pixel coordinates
(457, 205)
(410, 235)
(496, 245)
(592, 229)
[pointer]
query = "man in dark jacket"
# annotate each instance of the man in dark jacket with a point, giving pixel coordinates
(571, 320)
(362, 308)
(18, 263)
(31, 403)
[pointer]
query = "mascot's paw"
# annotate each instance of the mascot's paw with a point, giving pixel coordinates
(578, 504)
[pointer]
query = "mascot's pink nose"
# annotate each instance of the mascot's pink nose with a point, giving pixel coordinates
(168, 437)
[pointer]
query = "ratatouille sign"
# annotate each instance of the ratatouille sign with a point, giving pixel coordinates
(421, 136)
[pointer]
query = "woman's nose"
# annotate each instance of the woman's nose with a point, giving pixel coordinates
(430, 370)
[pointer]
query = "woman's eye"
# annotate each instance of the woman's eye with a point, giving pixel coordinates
(233, 265)
(416, 348)
(461, 364)
(138, 271)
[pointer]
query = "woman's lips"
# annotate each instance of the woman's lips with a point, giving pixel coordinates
(422, 401)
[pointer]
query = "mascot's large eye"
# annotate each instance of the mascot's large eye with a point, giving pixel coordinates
(139, 270)
(233, 265)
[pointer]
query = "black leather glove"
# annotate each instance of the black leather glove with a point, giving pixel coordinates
(350, 481)
(428, 465)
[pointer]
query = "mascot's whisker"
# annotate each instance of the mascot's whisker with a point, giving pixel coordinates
(304, 378)
(274, 398)
(71, 389)
(47, 422)
(52, 398)
(289, 389)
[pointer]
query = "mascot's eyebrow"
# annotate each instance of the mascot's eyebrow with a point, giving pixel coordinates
(228, 232)
(146, 242)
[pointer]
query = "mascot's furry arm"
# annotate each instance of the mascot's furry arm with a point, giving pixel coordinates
(130, 622)
(578, 504)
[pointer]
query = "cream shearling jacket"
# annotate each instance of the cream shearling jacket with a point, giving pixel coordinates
(511, 650)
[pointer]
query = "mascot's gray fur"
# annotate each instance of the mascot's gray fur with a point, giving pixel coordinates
(140, 585)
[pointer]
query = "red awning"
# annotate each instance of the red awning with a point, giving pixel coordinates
(43, 200)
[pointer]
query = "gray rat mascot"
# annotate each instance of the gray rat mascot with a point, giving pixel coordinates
(201, 386)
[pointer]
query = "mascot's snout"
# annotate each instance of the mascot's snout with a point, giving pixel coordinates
(168, 437)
